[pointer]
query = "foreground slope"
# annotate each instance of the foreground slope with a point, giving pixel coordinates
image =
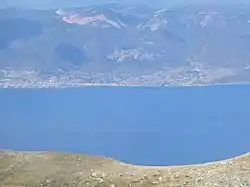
(58, 169)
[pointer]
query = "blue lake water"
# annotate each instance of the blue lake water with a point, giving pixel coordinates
(149, 126)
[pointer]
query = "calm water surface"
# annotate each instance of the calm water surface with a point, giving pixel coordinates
(150, 126)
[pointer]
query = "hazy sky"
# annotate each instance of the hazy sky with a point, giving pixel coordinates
(67, 3)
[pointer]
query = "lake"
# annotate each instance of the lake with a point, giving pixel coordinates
(146, 126)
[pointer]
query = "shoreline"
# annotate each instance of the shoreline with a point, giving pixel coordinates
(128, 86)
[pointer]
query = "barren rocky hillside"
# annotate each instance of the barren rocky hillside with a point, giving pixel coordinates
(19, 169)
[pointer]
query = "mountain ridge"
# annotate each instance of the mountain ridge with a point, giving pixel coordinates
(102, 44)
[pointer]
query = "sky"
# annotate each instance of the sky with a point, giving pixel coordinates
(66, 3)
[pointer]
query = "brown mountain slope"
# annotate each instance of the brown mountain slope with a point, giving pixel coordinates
(21, 169)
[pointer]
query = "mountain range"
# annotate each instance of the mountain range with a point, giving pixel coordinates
(190, 44)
